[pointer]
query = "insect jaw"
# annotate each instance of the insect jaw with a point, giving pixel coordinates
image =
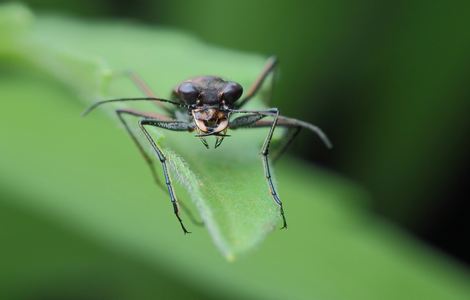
(210, 121)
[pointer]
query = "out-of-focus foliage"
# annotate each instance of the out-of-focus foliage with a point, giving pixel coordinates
(80, 216)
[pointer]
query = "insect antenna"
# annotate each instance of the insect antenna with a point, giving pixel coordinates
(96, 104)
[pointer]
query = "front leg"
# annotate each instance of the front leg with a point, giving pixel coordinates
(250, 119)
(171, 125)
(149, 161)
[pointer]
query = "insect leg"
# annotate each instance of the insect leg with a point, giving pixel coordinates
(255, 121)
(148, 160)
(144, 88)
(171, 125)
(293, 126)
(269, 68)
(292, 123)
(140, 84)
(288, 138)
(120, 113)
(274, 112)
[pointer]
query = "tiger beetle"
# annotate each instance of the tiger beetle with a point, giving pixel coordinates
(205, 105)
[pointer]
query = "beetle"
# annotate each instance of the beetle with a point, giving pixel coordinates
(205, 105)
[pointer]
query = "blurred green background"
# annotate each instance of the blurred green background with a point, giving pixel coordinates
(386, 80)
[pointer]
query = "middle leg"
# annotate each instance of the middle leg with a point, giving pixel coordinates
(140, 83)
(292, 125)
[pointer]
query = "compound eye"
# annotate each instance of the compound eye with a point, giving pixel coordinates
(232, 92)
(188, 92)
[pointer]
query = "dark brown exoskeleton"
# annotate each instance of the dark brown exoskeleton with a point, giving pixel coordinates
(206, 105)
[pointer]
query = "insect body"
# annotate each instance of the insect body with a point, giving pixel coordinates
(205, 105)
